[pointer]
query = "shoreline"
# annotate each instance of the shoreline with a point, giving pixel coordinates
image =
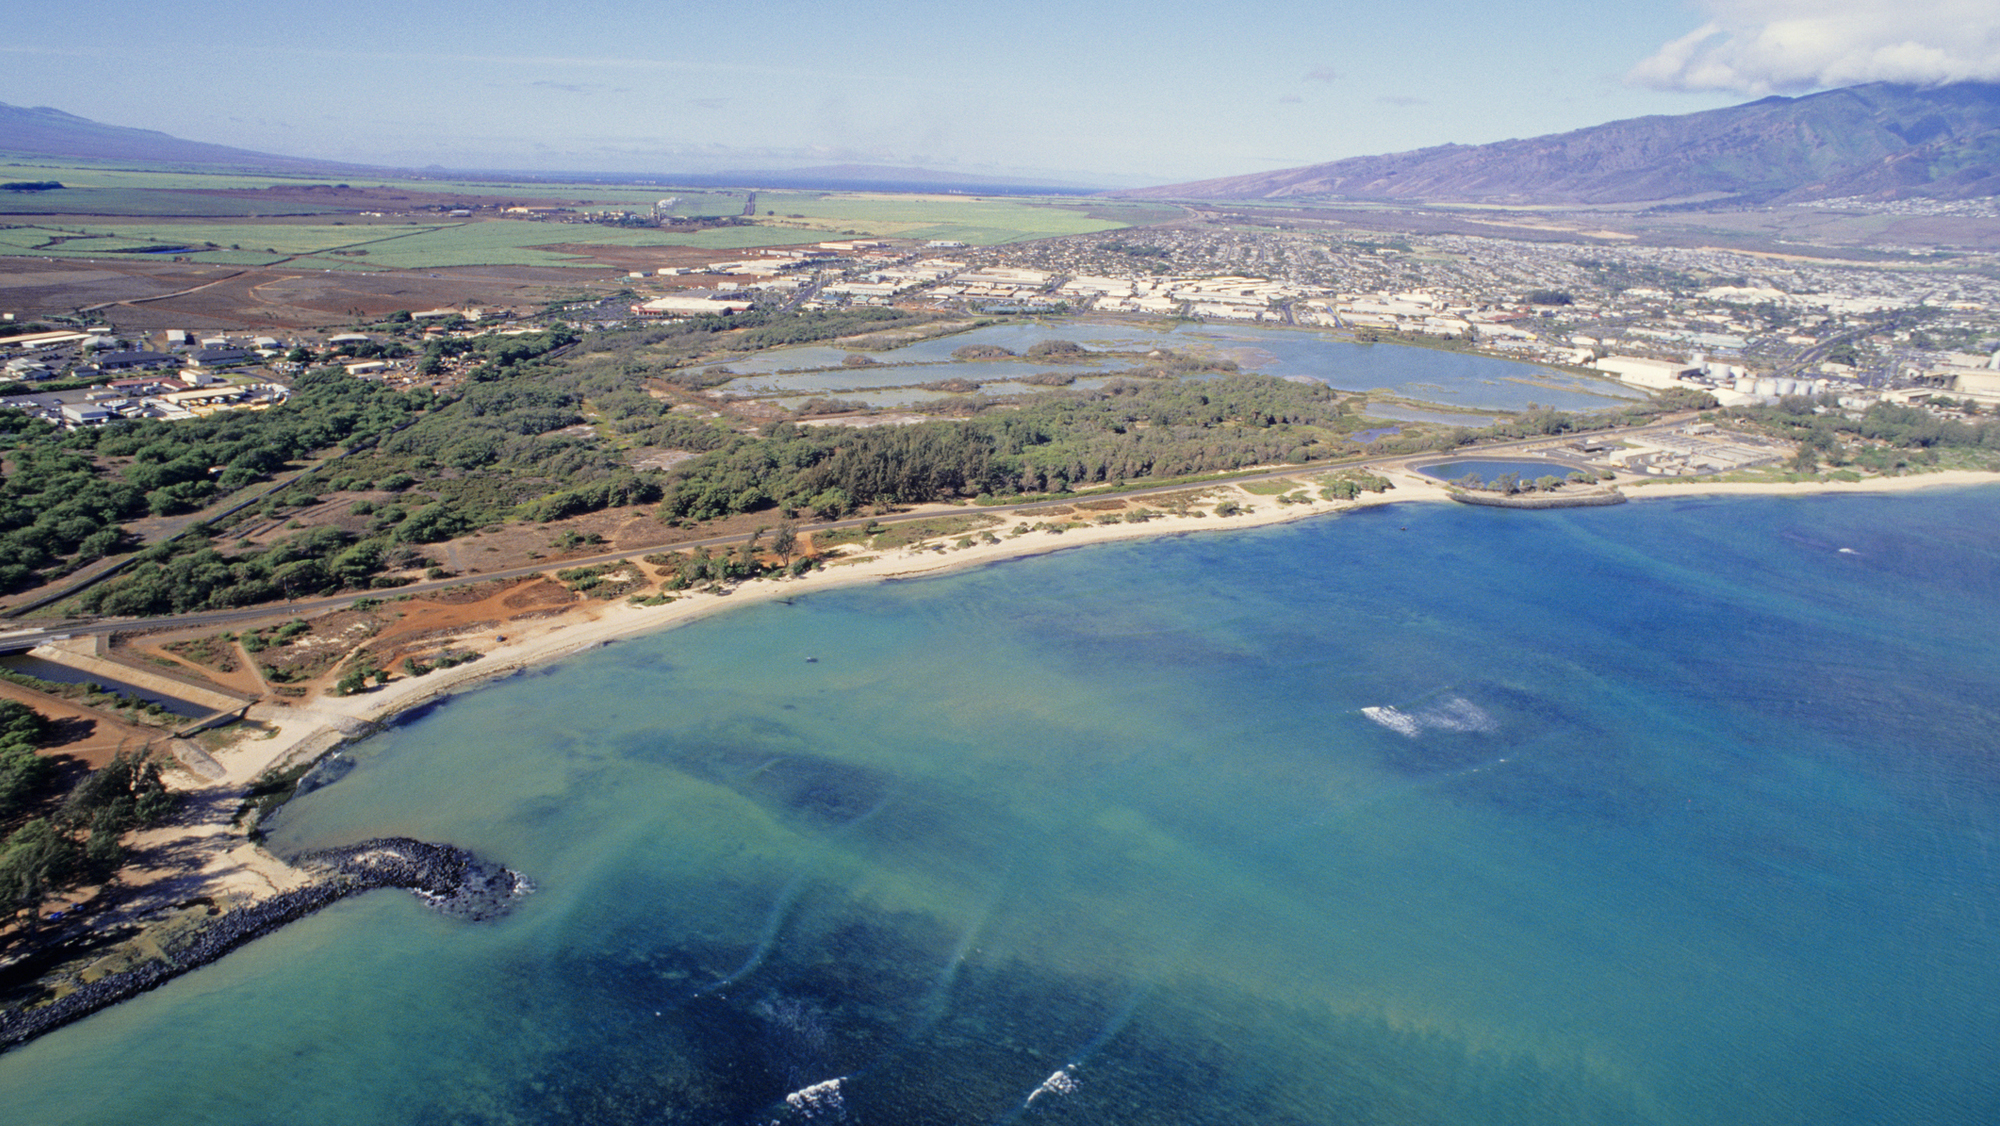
(215, 860)
(346, 719)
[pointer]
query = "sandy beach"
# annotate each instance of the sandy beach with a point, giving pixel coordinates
(1641, 488)
(203, 855)
(312, 729)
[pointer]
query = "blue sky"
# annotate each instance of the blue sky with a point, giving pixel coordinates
(1103, 91)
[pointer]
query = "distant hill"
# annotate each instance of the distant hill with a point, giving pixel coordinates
(51, 133)
(1881, 140)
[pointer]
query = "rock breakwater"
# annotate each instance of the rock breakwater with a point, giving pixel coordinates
(450, 880)
(1538, 500)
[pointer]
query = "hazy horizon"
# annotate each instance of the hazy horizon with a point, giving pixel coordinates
(1112, 95)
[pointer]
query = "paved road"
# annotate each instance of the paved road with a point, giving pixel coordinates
(225, 618)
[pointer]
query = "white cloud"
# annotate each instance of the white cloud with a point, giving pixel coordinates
(1766, 46)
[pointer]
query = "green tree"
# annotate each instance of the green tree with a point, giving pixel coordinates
(36, 860)
(785, 542)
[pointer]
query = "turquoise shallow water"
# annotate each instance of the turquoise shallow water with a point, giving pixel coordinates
(1675, 812)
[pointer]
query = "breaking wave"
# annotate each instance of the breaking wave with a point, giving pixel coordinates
(1455, 714)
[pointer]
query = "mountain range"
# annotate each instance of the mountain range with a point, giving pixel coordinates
(1879, 140)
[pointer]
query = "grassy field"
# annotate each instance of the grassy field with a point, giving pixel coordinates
(239, 236)
(507, 242)
(88, 242)
(699, 203)
(495, 242)
(144, 201)
(91, 176)
(244, 243)
(19, 240)
(631, 197)
(980, 220)
(1269, 488)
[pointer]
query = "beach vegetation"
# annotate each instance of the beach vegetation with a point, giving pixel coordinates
(786, 540)
(1351, 483)
(1268, 488)
(915, 531)
(450, 658)
(605, 580)
(24, 775)
(268, 791)
(77, 841)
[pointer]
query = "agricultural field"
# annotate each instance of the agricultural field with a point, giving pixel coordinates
(979, 220)
(172, 179)
(92, 176)
(275, 238)
(140, 202)
(277, 250)
(507, 242)
(261, 219)
(690, 203)
(517, 242)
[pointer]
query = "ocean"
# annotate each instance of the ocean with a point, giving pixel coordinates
(1681, 811)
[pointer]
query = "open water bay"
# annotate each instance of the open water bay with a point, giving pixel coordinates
(1675, 812)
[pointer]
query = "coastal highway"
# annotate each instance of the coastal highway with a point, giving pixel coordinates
(26, 638)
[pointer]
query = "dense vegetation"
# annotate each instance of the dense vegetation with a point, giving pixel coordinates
(1125, 431)
(1886, 438)
(66, 494)
(24, 775)
(455, 462)
(540, 426)
(77, 840)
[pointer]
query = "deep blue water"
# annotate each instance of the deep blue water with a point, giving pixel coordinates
(1681, 811)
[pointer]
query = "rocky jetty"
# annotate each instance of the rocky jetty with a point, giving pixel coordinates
(1538, 500)
(450, 880)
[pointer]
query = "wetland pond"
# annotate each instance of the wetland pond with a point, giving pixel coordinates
(1457, 380)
